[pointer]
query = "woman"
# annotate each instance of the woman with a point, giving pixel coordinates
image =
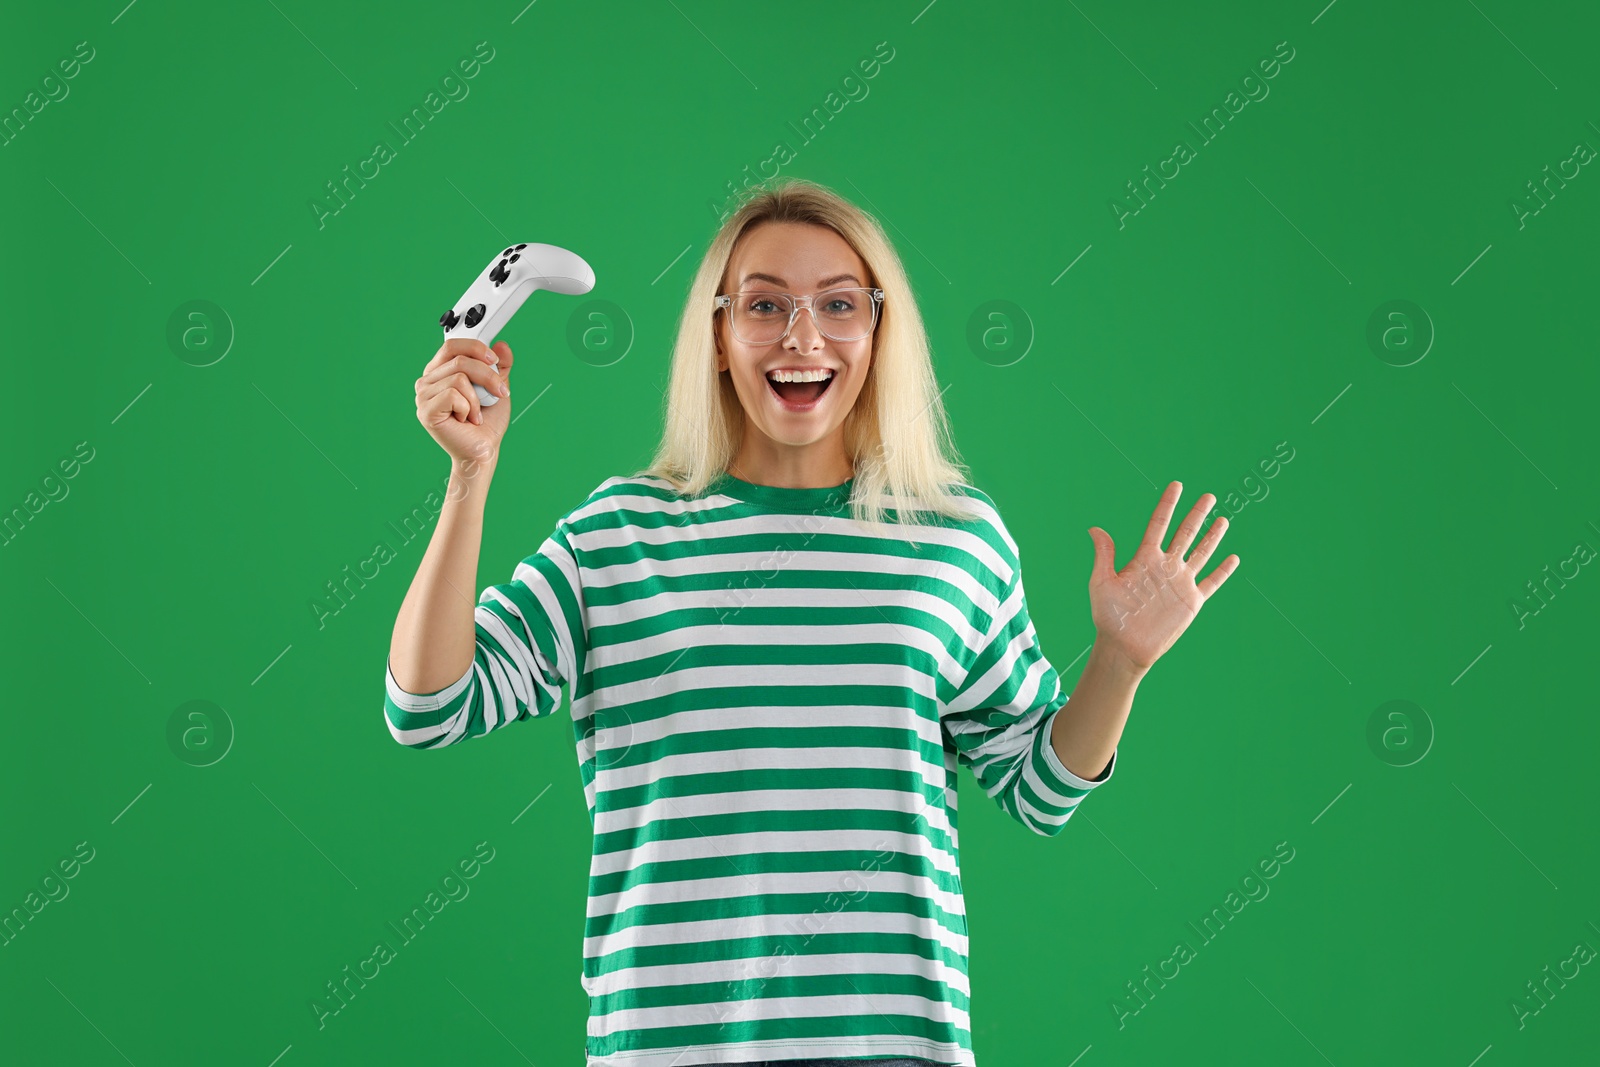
(782, 640)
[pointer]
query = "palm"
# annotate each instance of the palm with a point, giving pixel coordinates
(1144, 608)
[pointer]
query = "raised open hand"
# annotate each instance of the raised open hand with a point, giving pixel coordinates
(1140, 611)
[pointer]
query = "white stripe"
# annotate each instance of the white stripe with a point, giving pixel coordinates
(878, 1045)
(698, 973)
(757, 759)
(621, 734)
(747, 578)
(730, 847)
(853, 1004)
(743, 675)
(740, 801)
(735, 631)
(848, 887)
(415, 702)
(981, 693)
(802, 527)
(793, 926)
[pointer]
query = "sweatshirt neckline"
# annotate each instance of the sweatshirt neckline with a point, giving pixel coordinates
(783, 498)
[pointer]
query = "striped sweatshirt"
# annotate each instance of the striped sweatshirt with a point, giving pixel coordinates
(770, 703)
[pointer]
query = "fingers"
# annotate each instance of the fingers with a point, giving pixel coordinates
(1213, 581)
(460, 346)
(1156, 532)
(1191, 525)
(462, 383)
(1208, 544)
(459, 362)
(472, 368)
(503, 350)
(445, 388)
(450, 395)
(1105, 555)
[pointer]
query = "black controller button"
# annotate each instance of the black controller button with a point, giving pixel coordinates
(474, 315)
(449, 319)
(498, 273)
(514, 257)
(521, 247)
(507, 252)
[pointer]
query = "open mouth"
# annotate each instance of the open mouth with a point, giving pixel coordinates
(801, 390)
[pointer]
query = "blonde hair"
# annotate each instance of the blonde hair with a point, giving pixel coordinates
(897, 434)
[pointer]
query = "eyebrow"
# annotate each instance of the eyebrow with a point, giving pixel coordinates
(756, 276)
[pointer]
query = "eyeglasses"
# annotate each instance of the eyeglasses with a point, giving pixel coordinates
(764, 318)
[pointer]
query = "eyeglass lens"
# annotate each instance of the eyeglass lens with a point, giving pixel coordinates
(760, 318)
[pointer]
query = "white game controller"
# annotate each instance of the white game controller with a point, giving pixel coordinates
(502, 287)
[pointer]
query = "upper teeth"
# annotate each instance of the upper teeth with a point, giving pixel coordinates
(821, 375)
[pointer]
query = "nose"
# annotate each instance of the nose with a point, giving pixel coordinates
(806, 337)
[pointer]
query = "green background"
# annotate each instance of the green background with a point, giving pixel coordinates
(1437, 869)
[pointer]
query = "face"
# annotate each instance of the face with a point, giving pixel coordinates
(802, 260)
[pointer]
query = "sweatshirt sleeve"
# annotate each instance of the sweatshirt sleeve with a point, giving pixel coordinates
(530, 641)
(1000, 721)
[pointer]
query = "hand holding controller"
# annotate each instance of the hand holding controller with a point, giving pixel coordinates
(505, 283)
